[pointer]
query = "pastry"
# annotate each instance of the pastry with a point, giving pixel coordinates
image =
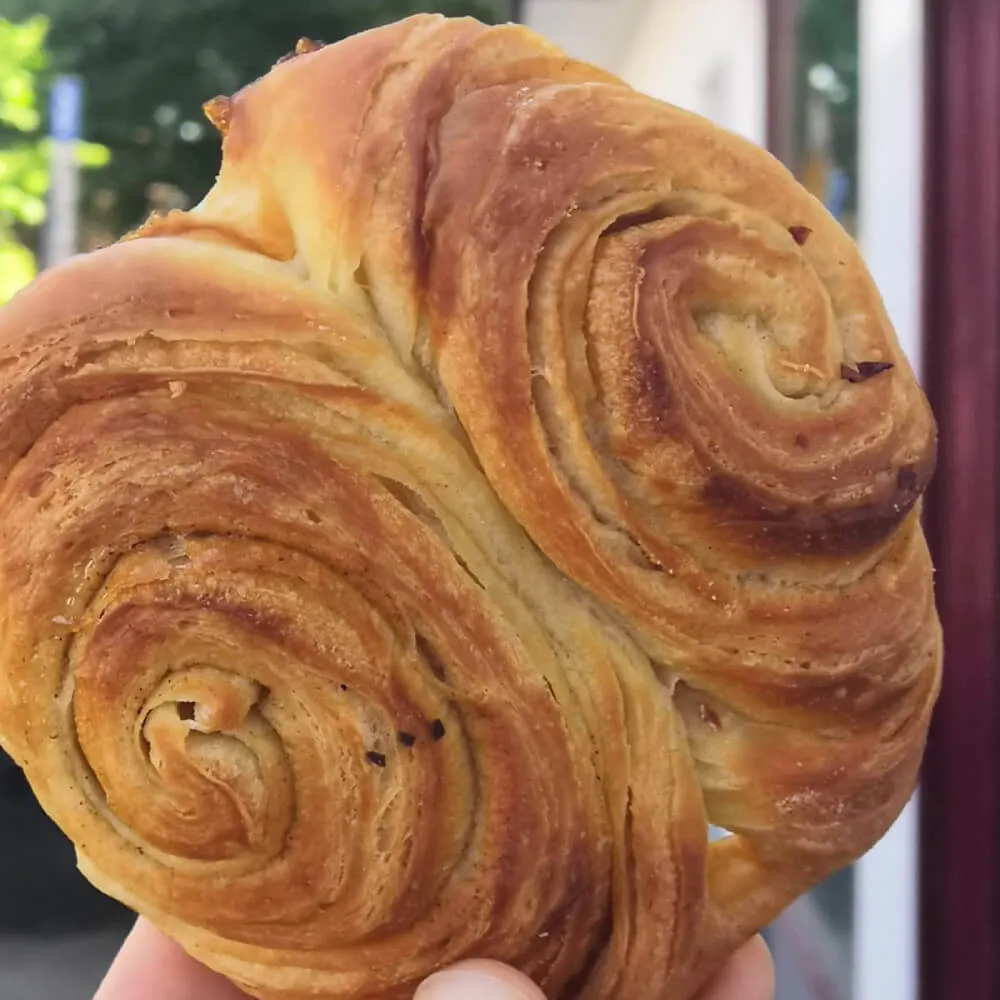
(410, 551)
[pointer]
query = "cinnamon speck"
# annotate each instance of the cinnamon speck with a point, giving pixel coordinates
(864, 370)
(709, 717)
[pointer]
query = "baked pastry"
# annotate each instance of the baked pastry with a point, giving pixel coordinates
(408, 552)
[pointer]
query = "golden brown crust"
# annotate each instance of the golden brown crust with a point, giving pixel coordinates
(406, 553)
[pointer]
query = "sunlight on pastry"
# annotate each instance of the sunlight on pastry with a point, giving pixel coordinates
(486, 526)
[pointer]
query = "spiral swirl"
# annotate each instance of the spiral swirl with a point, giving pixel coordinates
(408, 552)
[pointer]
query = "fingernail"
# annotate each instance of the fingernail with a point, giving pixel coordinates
(478, 981)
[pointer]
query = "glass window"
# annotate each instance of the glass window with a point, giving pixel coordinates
(823, 104)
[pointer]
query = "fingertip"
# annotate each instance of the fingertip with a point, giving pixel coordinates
(748, 975)
(152, 966)
(478, 980)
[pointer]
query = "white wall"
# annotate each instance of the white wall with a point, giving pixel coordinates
(890, 160)
(890, 220)
(596, 31)
(709, 56)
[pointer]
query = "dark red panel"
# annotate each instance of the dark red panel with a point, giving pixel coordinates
(960, 935)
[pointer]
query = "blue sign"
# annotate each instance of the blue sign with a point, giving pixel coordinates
(66, 108)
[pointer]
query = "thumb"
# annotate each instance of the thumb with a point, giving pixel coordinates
(478, 980)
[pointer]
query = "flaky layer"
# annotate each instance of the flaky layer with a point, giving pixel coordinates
(408, 552)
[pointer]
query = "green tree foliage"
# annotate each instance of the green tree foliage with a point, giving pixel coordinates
(24, 155)
(148, 65)
(23, 175)
(828, 35)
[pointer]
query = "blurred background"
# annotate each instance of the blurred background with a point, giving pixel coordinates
(888, 110)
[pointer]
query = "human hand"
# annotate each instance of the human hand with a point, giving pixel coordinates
(749, 975)
(154, 968)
